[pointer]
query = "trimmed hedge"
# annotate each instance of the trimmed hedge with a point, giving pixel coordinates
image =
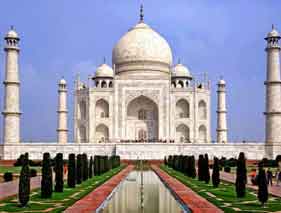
(8, 176)
(59, 172)
(71, 176)
(47, 177)
(24, 182)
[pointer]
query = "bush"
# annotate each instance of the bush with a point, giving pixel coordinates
(96, 165)
(206, 169)
(79, 169)
(227, 169)
(216, 173)
(71, 176)
(85, 167)
(24, 182)
(91, 164)
(33, 173)
(192, 167)
(19, 161)
(200, 168)
(262, 186)
(47, 177)
(241, 176)
(8, 176)
(59, 172)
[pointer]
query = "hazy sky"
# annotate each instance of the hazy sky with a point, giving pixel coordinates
(61, 38)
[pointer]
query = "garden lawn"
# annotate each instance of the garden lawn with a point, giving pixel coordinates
(17, 169)
(60, 200)
(224, 196)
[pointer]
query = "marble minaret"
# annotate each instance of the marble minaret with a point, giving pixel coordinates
(11, 111)
(62, 113)
(273, 90)
(221, 113)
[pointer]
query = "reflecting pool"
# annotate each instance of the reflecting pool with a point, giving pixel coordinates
(142, 191)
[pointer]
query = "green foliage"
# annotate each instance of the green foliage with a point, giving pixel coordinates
(262, 186)
(227, 169)
(206, 169)
(85, 165)
(91, 164)
(201, 168)
(47, 177)
(33, 172)
(241, 176)
(59, 172)
(8, 176)
(79, 169)
(24, 182)
(192, 167)
(216, 173)
(71, 176)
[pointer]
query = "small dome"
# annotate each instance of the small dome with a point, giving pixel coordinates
(12, 33)
(221, 82)
(140, 44)
(273, 33)
(181, 71)
(62, 81)
(104, 71)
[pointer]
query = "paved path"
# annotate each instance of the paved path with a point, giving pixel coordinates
(11, 188)
(92, 201)
(192, 200)
(230, 177)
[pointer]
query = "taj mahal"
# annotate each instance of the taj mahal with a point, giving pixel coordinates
(144, 106)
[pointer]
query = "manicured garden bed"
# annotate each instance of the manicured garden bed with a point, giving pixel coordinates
(224, 196)
(16, 169)
(60, 200)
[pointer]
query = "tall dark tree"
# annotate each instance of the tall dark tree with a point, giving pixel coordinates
(24, 183)
(200, 168)
(71, 175)
(216, 172)
(59, 172)
(262, 186)
(192, 167)
(96, 165)
(47, 177)
(241, 176)
(85, 167)
(206, 169)
(91, 164)
(79, 169)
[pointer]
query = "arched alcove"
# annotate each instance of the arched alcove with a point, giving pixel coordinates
(182, 109)
(202, 110)
(83, 134)
(83, 110)
(102, 109)
(182, 134)
(202, 134)
(102, 133)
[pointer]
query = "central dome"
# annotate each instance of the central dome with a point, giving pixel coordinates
(144, 45)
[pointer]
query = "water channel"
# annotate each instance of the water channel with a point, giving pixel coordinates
(141, 192)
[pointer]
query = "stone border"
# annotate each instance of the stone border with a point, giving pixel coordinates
(192, 200)
(92, 201)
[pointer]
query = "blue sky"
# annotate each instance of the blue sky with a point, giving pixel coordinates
(61, 38)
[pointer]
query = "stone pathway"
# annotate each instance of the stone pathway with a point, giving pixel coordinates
(192, 200)
(11, 188)
(229, 177)
(94, 199)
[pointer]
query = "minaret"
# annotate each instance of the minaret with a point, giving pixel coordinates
(62, 113)
(11, 111)
(273, 90)
(221, 113)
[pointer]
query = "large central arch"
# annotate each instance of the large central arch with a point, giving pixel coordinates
(142, 119)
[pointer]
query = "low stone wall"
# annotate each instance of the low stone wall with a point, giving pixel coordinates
(133, 151)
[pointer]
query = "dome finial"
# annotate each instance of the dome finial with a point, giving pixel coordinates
(179, 60)
(104, 60)
(272, 26)
(141, 13)
(12, 27)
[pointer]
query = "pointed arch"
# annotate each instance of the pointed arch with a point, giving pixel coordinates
(102, 109)
(83, 134)
(182, 109)
(102, 133)
(183, 133)
(203, 134)
(103, 84)
(202, 110)
(83, 109)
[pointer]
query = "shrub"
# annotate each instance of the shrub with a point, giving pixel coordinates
(200, 168)
(96, 165)
(91, 167)
(241, 176)
(24, 182)
(79, 169)
(47, 177)
(227, 169)
(59, 172)
(206, 169)
(85, 167)
(71, 176)
(19, 161)
(8, 176)
(216, 173)
(192, 167)
(33, 173)
(165, 161)
(262, 186)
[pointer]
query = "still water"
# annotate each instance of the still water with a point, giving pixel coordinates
(142, 192)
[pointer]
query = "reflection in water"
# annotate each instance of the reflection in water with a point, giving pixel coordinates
(156, 197)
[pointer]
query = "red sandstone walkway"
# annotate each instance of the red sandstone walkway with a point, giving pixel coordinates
(195, 202)
(229, 177)
(93, 200)
(11, 188)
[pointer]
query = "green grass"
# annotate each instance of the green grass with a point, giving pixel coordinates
(16, 169)
(225, 195)
(60, 200)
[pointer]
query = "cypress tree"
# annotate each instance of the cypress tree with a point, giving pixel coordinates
(91, 167)
(24, 183)
(216, 173)
(59, 172)
(241, 176)
(165, 161)
(200, 168)
(96, 165)
(170, 161)
(262, 186)
(206, 169)
(79, 169)
(192, 167)
(85, 167)
(185, 165)
(47, 177)
(71, 176)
